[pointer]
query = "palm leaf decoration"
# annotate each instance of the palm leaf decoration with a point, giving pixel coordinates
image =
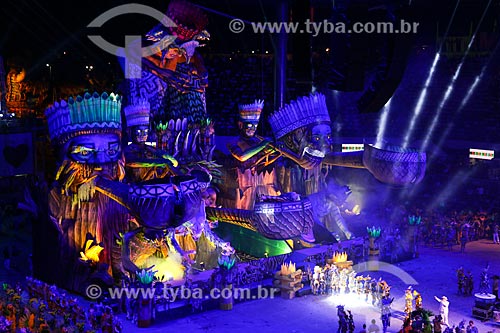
(91, 251)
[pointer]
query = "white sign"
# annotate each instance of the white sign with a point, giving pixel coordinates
(481, 154)
(347, 147)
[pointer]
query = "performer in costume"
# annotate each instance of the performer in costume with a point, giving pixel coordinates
(443, 308)
(418, 300)
(408, 302)
(386, 312)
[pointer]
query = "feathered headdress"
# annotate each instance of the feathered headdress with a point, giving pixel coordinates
(137, 114)
(304, 111)
(251, 112)
(92, 113)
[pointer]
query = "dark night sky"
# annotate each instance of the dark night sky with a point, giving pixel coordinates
(36, 32)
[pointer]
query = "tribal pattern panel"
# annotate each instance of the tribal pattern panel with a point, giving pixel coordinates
(150, 87)
(169, 100)
(177, 104)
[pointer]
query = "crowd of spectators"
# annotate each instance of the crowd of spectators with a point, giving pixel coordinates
(36, 306)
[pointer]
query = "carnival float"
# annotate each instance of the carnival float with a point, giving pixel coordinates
(138, 174)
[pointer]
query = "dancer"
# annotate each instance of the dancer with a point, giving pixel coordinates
(386, 312)
(408, 302)
(461, 280)
(496, 240)
(443, 308)
(484, 286)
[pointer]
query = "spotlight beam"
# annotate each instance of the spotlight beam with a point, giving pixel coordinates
(420, 102)
(464, 102)
(382, 124)
(424, 146)
(448, 27)
(423, 93)
(452, 84)
(459, 179)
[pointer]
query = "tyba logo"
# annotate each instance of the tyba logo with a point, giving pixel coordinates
(133, 51)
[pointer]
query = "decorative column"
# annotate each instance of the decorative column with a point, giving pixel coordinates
(374, 251)
(224, 279)
(145, 315)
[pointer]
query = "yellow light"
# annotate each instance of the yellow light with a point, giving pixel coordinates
(167, 269)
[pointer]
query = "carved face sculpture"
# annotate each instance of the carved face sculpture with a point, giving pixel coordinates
(89, 155)
(210, 197)
(248, 129)
(321, 138)
(139, 134)
(95, 148)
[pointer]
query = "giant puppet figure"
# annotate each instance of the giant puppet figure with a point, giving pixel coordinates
(255, 157)
(179, 65)
(302, 128)
(303, 138)
(86, 132)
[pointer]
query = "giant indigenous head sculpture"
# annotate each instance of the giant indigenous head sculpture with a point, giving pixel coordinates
(304, 125)
(87, 134)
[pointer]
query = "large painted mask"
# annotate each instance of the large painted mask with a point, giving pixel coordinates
(248, 129)
(87, 132)
(88, 156)
(137, 117)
